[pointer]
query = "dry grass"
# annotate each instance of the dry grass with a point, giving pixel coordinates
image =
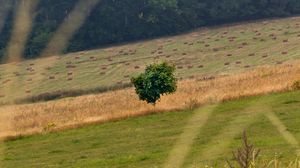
(79, 111)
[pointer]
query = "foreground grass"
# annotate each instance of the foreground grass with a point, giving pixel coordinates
(147, 141)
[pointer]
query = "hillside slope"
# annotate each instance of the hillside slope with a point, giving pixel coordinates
(150, 141)
(109, 22)
(206, 52)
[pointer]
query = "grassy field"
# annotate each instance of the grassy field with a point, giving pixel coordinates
(213, 51)
(209, 133)
(73, 112)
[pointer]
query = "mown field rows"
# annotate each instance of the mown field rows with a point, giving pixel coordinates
(206, 52)
(150, 141)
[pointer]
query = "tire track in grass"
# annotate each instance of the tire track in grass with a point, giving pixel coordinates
(282, 129)
(184, 143)
(220, 143)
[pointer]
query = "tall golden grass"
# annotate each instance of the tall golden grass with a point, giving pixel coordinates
(114, 105)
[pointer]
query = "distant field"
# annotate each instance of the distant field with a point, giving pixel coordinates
(213, 51)
(79, 111)
(271, 121)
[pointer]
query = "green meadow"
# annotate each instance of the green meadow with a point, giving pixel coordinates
(204, 136)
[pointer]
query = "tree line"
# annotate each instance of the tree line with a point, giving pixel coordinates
(117, 21)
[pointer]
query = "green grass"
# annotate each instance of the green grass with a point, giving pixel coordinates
(147, 141)
(88, 72)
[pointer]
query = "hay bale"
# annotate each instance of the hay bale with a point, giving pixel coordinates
(6, 81)
(272, 35)
(70, 66)
(190, 66)
(215, 49)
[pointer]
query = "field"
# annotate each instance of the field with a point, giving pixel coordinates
(205, 136)
(98, 108)
(231, 78)
(206, 52)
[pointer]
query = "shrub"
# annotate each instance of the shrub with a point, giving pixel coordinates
(245, 157)
(296, 85)
(157, 80)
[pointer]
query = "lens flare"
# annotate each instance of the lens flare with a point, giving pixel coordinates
(66, 31)
(4, 10)
(22, 26)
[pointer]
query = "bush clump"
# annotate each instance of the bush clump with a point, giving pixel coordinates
(296, 85)
(157, 80)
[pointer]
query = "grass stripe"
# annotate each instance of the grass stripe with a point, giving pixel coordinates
(185, 141)
(282, 129)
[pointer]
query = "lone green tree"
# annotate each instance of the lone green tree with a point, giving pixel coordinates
(157, 80)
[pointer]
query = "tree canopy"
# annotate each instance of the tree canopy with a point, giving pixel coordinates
(116, 21)
(158, 79)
